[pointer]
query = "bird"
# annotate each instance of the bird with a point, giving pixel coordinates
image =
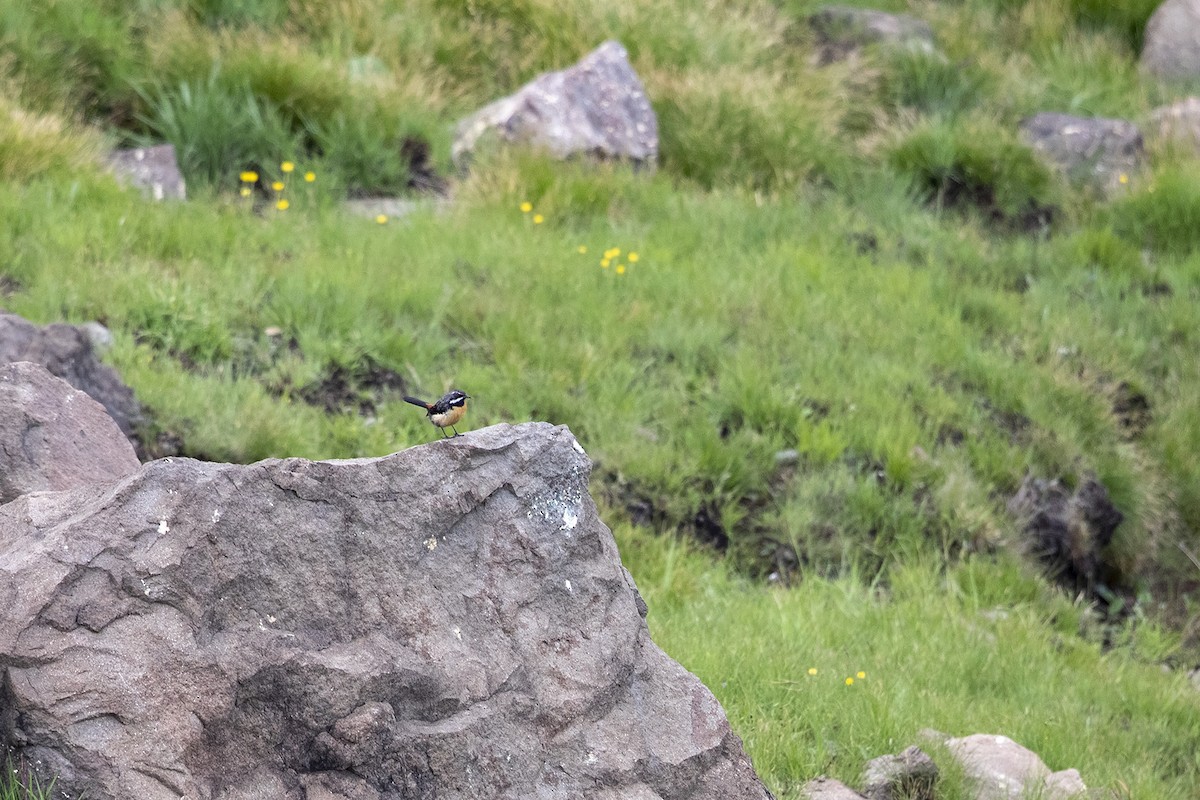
(445, 413)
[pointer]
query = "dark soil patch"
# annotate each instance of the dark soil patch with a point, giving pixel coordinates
(1132, 410)
(359, 389)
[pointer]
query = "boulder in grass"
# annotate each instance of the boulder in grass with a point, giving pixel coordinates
(451, 621)
(1001, 769)
(844, 30)
(1171, 43)
(153, 170)
(1096, 151)
(597, 108)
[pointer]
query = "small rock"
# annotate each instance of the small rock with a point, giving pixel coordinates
(911, 775)
(823, 788)
(844, 30)
(1179, 122)
(1093, 150)
(596, 108)
(153, 170)
(1004, 770)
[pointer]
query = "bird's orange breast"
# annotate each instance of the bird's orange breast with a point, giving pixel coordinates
(449, 418)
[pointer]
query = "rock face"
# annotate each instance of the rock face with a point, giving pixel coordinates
(596, 108)
(1171, 46)
(450, 621)
(66, 351)
(54, 437)
(154, 170)
(911, 775)
(1004, 770)
(1093, 150)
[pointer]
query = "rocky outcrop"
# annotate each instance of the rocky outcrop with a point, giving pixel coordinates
(152, 170)
(450, 621)
(67, 352)
(596, 108)
(1171, 45)
(55, 437)
(909, 775)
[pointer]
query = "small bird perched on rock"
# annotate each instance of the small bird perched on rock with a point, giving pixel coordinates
(445, 413)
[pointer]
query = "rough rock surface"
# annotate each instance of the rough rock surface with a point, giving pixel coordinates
(1093, 150)
(1067, 530)
(1171, 44)
(450, 621)
(823, 788)
(843, 30)
(154, 170)
(67, 351)
(596, 108)
(910, 775)
(1179, 122)
(53, 436)
(1004, 770)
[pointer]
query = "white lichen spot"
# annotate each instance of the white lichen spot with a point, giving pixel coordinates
(431, 543)
(567, 584)
(570, 519)
(457, 633)
(591, 758)
(271, 618)
(163, 527)
(216, 516)
(578, 447)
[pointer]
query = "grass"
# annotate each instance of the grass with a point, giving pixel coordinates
(860, 314)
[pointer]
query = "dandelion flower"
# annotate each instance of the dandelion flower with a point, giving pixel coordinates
(249, 176)
(245, 191)
(283, 204)
(582, 249)
(1123, 178)
(633, 257)
(526, 207)
(381, 219)
(849, 681)
(620, 269)
(309, 177)
(812, 670)
(604, 263)
(277, 186)
(612, 252)
(538, 219)
(287, 166)
(861, 674)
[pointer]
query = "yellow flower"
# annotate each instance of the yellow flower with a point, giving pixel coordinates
(633, 257)
(1124, 179)
(861, 674)
(812, 670)
(849, 681)
(309, 177)
(249, 177)
(381, 219)
(526, 207)
(287, 166)
(538, 219)
(604, 263)
(582, 249)
(620, 269)
(277, 186)
(283, 204)
(612, 252)
(245, 191)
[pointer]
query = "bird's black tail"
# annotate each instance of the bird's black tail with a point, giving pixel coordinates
(416, 402)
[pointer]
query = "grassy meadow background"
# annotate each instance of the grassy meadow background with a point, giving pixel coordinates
(804, 280)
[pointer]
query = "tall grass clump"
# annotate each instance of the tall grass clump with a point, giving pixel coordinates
(1162, 212)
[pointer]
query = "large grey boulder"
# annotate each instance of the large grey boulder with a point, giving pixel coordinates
(1171, 44)
(596, 108)
(451, 621)
(68, 352)
(152, 170)
(53, 436)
